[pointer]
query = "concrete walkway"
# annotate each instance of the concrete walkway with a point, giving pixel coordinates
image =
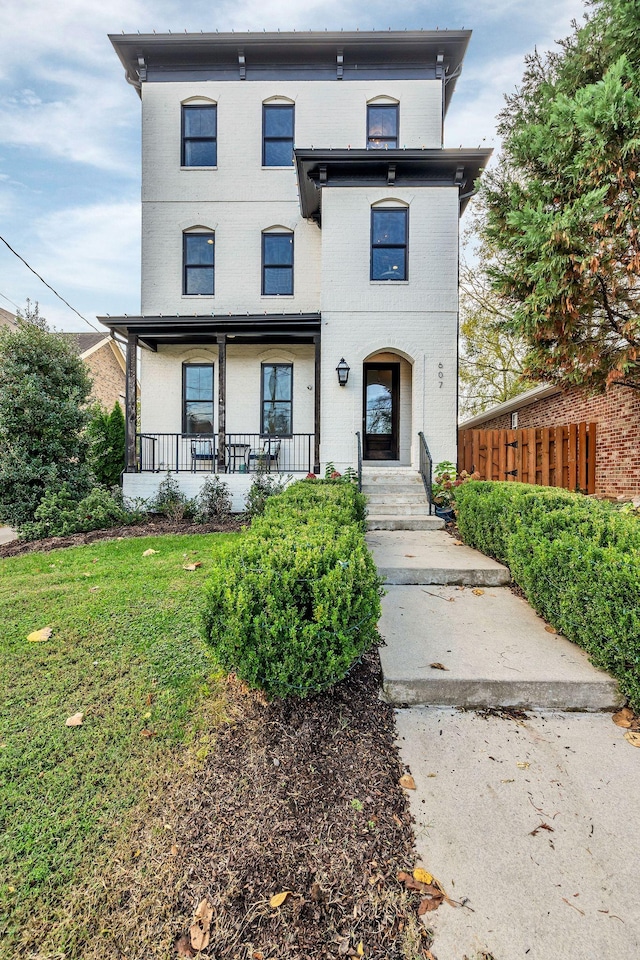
(7, 534)
(530, 821)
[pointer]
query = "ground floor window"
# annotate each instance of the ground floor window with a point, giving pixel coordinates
(197, 398)
(277, 399)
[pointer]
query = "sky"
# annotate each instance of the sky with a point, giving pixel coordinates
(70, 124)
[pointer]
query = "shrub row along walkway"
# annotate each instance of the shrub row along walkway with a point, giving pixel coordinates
(527, 819)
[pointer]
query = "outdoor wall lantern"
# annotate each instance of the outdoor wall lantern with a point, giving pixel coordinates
(343, 372)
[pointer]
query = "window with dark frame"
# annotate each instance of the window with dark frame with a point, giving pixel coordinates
(382, 126)
(198, 255)
(199, 135)
(197, 398)
(277, 264)
(276, 418)
(277, 135)
(389, 233)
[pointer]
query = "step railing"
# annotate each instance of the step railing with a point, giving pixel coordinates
(426, 469)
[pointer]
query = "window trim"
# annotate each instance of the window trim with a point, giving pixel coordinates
(391, 246)
(275, 363)
(265, 138)
(369, 138)
(265, 265)
(184, 139)
(187, 266)
(185, 364)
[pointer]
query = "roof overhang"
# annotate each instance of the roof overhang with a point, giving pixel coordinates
(153, 331)
(510, 406)
(338, 55)
(372, 168)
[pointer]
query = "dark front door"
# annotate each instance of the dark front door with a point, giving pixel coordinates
(381, 395)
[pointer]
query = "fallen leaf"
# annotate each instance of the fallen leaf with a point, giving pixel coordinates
(477, 592)
(149, 552)
(39, 636)
(192, 566)
(422, 876)
(147, 733)
(523, 764)
(343, 948)
(633, 737)
(199, 929)
(438, 666)
(360, 949)
(458, 543)
(149, 699)
(184, 948)
(429, 904)
(278, 899)
(409, 882)
(75, 720)
(550, 629)
(624, 717)
(407, 781)
(93, 589)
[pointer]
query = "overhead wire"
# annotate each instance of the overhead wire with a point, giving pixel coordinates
(48, 285)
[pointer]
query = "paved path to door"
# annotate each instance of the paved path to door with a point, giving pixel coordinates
(7, 534)
(531, 821)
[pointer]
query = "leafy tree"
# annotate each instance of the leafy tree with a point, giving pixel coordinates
(43, 392)
(106, 435)
(491, 355)
(564, 205)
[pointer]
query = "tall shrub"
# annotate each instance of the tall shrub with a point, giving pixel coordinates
(43, 392)
(106, 435)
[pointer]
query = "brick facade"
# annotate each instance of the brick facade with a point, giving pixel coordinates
(107, 375)
(617, 414)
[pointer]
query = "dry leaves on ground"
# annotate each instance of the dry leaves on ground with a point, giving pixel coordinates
(39, 636)
(407, 781)
(149, 552)
(477, 592)
(199, 931)
(633, 737)
(75, 720)
(192, 566)
(430, 890)
(438, 666)
(627, 719)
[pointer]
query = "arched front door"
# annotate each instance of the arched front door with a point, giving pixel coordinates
(381, 411)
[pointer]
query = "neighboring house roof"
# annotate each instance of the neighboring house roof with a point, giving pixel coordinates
(516, 403)
(7, 319)
(83, 342)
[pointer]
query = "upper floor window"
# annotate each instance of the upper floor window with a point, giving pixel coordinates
(389, 231)
(277, 135)
(277, 264)
(382, 126)
(198, 263)
(277, 399)
(197, 398)
(199, 135)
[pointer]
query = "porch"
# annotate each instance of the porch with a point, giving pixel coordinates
(240, 453)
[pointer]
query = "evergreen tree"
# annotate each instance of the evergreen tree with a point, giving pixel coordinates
(106, 434)
(564, 206)
(43, 392)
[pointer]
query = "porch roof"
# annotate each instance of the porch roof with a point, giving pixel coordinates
(247, 328)
(317, 168)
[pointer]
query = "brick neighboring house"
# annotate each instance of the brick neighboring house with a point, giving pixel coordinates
(617, 414)
(105, 362)
(7, 319)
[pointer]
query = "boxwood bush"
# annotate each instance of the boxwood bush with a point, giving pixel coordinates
(296, 604)
(577, 560)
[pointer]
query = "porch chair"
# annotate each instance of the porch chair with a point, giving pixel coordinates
(267, 455)
(201, 450)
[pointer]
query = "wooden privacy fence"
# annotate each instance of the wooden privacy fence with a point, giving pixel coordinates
(547, 456)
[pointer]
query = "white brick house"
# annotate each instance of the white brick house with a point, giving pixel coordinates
(298, 209)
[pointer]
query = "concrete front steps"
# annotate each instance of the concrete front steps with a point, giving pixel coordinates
(456, 635)
(397, 500)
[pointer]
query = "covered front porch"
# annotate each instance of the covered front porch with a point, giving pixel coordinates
(222, 394)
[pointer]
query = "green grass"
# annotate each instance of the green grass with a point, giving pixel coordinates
(126, 651)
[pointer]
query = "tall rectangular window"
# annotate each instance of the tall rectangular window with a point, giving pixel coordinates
(277, 135)
(389, 228)
(382, 126)
(199, 263)
(277, 399)
(197, 398)
(200, 135)
(277, 264)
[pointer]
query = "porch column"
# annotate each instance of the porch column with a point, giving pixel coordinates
(316, 410)
(130, 403)
(222, 398)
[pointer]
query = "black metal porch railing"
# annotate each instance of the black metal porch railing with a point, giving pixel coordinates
(359, 444)
(426, 469)
(242, 453)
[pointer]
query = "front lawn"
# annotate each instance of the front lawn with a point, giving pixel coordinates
(126, 652)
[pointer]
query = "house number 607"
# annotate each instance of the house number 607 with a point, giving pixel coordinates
(440, 374)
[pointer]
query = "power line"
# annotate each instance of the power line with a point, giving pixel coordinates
(42, 280)
(9, 300)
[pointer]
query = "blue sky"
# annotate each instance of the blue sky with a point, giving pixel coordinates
(70, 124)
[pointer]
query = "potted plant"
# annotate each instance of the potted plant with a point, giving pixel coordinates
(445, 482)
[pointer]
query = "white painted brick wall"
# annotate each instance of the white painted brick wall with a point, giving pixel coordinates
(145, 486)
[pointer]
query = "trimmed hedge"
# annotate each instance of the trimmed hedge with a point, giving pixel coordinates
(296, 604)
(577, 560)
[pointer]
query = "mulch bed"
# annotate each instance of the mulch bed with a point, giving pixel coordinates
(299, 796)
(150, 528)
